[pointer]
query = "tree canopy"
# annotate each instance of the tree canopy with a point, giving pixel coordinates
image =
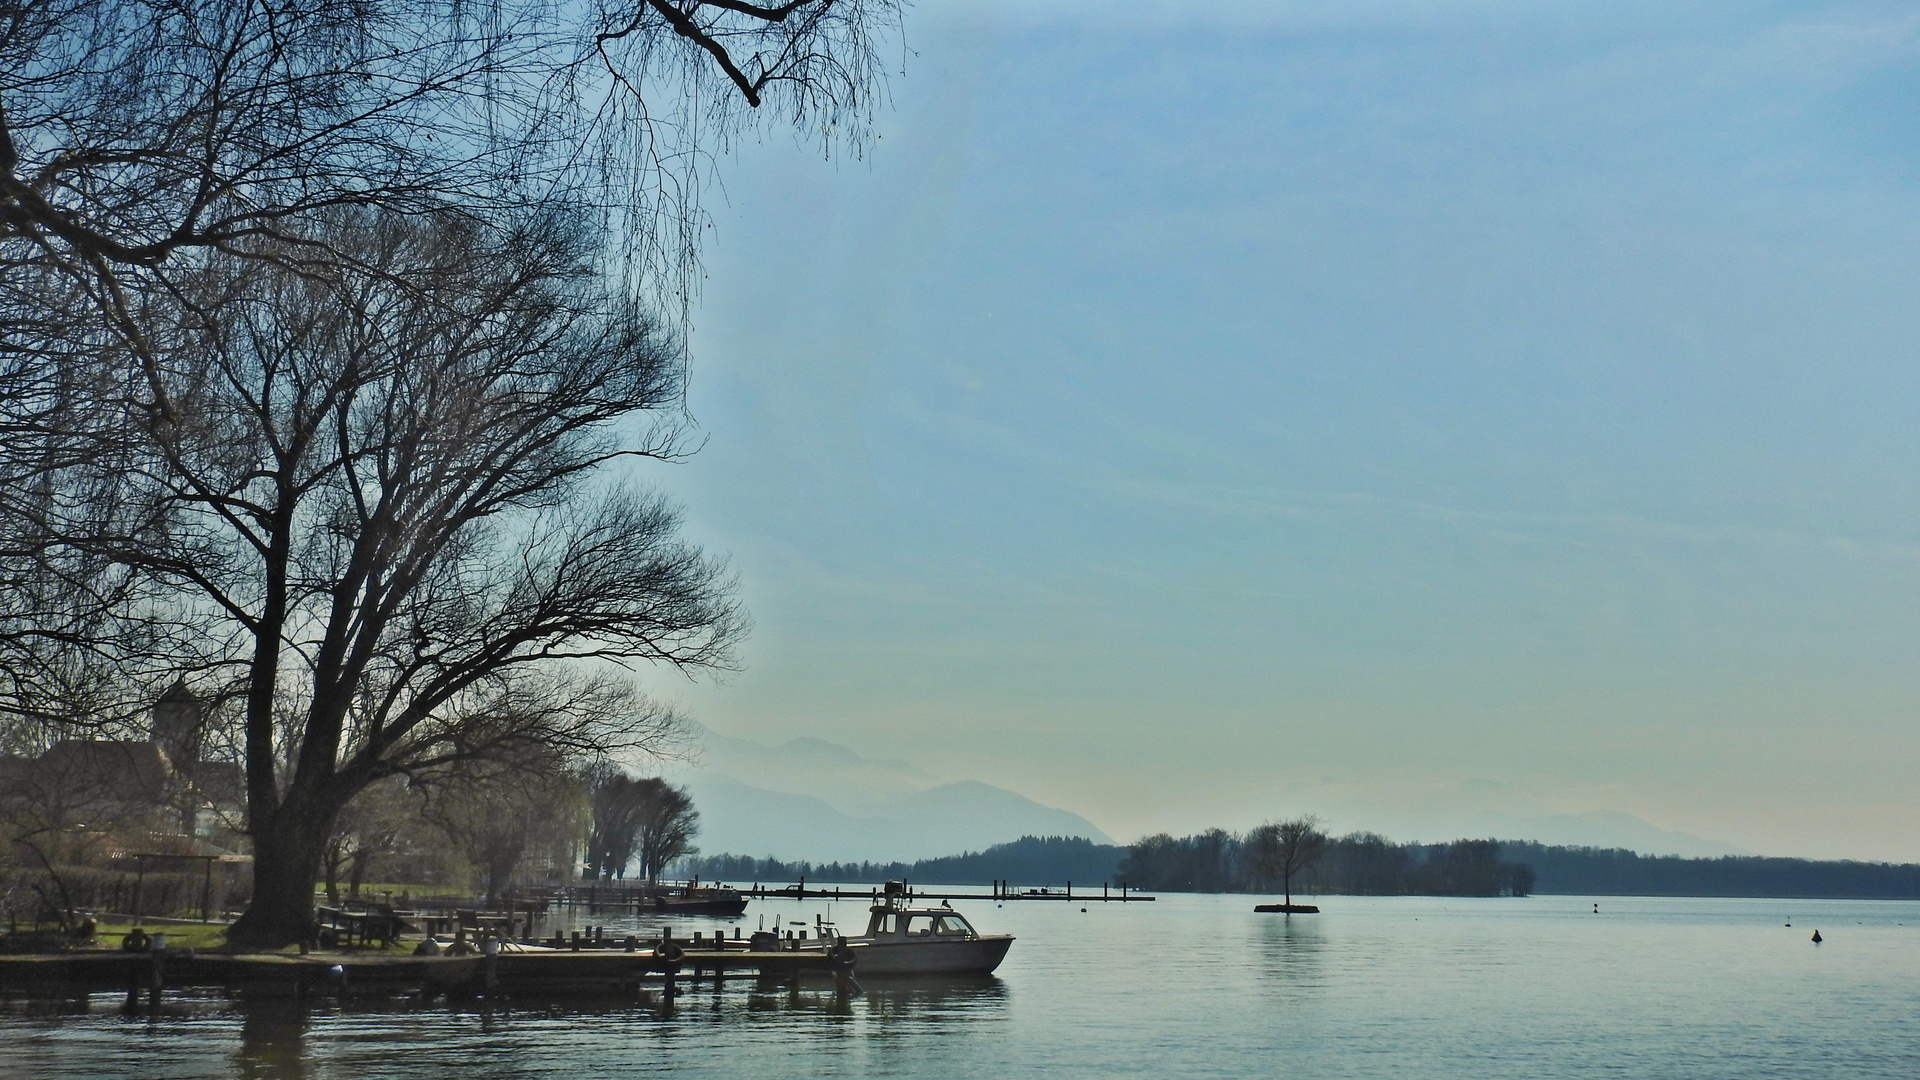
(325, 326)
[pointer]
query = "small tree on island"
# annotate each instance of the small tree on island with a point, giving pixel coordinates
(1287, 848)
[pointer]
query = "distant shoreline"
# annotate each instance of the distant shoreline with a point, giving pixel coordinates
(1371, 867)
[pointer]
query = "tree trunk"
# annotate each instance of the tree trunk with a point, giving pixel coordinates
(357, 872)
(286, 863)
(330, 870)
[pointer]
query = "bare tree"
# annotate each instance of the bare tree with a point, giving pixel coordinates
(1287, 848)
(500, 818)
(144, 142)
(374, 500)
(616, 803)
(370, 826)
(668, 824)
(139, 136)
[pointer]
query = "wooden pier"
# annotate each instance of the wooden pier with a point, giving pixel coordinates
(1001, 892)
(614, 970)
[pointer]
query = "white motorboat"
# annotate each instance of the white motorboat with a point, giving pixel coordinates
(904, 940)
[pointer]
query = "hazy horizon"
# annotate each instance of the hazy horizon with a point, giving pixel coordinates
(1380, 410)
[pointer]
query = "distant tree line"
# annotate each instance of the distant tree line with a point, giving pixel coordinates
(1030, 860)
(1359, 864)
(1617, 872)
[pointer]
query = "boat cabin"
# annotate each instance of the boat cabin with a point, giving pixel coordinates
(893, 922)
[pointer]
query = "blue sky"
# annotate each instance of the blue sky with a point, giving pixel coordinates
(1189, 415)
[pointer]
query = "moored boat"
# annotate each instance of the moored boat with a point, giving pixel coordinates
(903, 940)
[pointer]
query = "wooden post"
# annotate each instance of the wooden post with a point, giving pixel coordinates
(156, 978)
(665, 949)
(139, 880)
(206, 892)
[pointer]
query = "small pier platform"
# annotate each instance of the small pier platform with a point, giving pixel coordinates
(1000, 892)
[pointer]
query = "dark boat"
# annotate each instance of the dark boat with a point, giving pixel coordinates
(700, 900)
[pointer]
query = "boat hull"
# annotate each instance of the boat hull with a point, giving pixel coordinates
(970, 956)
(723, 907)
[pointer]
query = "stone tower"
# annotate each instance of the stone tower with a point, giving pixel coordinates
(176, 725)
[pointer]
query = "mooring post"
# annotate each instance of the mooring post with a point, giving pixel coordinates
(157, 972)
(206, 892)
(666, 952)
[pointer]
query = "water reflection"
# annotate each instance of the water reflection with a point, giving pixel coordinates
(898, 998)
(273, 1040)
(1292, 950)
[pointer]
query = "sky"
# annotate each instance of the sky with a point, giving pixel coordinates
(1191, 415)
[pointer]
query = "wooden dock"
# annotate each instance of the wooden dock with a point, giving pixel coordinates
(589, 971)
(1000, 893)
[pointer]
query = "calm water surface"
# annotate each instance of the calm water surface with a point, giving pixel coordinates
(1188, 986)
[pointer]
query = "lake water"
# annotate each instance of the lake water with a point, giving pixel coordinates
(1190, 986)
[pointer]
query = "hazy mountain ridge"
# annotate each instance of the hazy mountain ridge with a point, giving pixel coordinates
(741, 818)
(813, 799)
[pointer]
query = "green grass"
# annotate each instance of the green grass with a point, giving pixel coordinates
(179, 935)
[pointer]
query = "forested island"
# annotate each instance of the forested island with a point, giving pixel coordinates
(1361, 864)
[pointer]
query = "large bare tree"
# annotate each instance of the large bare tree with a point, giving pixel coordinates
(308, 382)
(145, 143)
(380, 500)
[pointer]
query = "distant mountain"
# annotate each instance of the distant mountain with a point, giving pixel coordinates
(743, 819)
(833, 774)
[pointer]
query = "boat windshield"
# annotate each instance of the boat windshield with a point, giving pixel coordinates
(943, 924)
(952, 926)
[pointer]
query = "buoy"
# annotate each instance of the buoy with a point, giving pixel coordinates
(1816, 937)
